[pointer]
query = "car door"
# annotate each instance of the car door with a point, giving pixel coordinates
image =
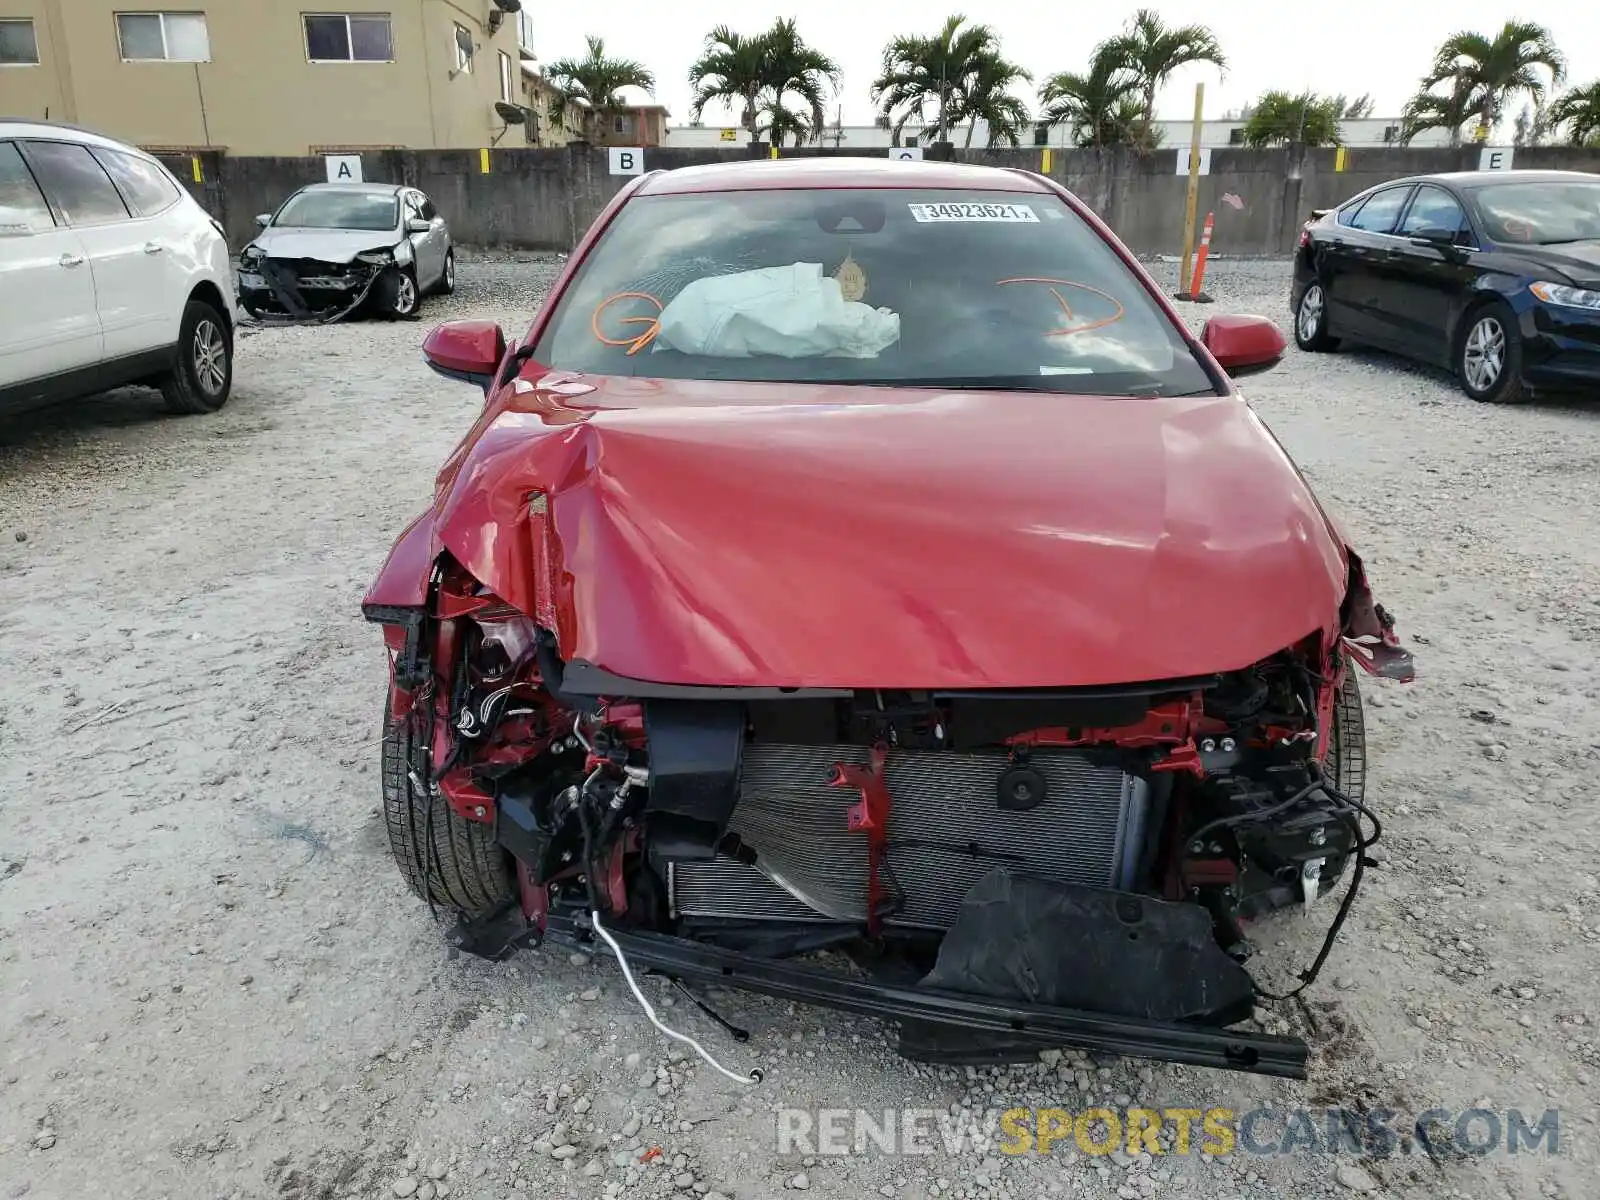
(430, 246)
(165, 229)
(1359, 241)
(1428, 272)
(49, 324)
(127, 277)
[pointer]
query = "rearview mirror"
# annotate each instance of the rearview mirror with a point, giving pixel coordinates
(1243, 345)
(263, 219)
(466, 350)
(418, 225)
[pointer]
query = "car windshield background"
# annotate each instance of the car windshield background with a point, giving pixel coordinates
(934, 288)
(338, 210)
(1540, 213)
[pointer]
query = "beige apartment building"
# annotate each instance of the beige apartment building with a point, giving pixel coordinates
(265, 77)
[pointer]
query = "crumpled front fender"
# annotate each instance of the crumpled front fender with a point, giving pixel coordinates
(403, 580)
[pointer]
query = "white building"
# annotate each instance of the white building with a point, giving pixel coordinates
(1368, 131)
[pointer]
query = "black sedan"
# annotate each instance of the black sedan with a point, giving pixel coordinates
(1495, 275)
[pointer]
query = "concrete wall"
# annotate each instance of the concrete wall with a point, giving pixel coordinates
(545, 198)
(258, 94)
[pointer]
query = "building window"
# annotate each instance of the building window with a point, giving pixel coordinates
(18, 47)
(163, 37)
(348, 37)
(508, 79)
(463, 49)
(525, 31)
(617, 125)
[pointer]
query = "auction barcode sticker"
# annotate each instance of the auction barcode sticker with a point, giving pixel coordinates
(972, 212)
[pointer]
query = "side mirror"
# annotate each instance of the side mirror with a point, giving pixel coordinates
(418, 225)
(263, 220)
(466, 350)
(1243, 345)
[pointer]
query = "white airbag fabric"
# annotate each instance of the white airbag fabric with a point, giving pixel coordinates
(790, 312)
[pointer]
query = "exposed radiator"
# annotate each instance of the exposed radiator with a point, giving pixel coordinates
(946, 831)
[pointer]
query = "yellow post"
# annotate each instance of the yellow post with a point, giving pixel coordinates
(1193, 200)
(194, 162)
(1339, 160)
(1044, 162)
(483, 161)
(773, 149)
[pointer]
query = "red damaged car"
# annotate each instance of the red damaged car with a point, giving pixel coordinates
(863, 556)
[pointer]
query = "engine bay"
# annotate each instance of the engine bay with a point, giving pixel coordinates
(885, 822)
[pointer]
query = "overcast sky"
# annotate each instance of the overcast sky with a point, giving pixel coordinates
(1358, 46)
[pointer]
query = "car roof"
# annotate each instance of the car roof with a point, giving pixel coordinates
(371, 189)
(1471, 180)
(14, 127)
(754, 175)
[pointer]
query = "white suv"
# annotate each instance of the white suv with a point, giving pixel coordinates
(110, 274)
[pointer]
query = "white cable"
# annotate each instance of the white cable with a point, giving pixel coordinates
(755, 1075)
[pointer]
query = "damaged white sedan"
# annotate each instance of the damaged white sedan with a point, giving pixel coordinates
(331, 250)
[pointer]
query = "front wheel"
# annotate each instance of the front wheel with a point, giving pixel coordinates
(202, 369)
(1311, 321)
(1489, 355)
(444, 859)
(397, 292)
(447, 281)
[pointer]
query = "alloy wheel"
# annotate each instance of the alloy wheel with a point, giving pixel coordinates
(450, 272)
(1310, 319)
(405, 294)
(210, 357)
(1484, 355)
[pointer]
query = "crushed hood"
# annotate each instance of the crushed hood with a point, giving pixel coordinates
(325, 245)
(746, 534)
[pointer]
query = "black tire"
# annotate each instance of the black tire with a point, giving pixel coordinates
(453, 863)
(447, 281)
(1488, 355)
(397, 292)
(202, 371)
(1347, 741)
(1311, 320)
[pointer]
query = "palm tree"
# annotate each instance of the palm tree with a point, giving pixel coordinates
(1579, 111)
(1154, 52)
(1279, 117)
(987, 97)
(733, 68)
(1353, 110)
(1101, 107)
(1429, 110)
(595, 82)
(793, 66)
(742, 69)
(1494, 70)
(775, 121)
(959, 69)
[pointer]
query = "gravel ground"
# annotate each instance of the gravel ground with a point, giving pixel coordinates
(213, 984)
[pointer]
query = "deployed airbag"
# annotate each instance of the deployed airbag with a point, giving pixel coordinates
(788, 312)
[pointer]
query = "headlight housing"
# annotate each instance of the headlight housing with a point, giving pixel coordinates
(251, 255)
(1567, 297)
(377, 258)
